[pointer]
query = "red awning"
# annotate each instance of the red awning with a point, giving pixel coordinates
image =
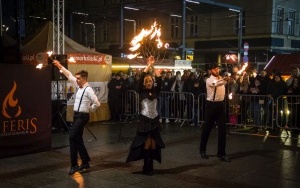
(283, 63)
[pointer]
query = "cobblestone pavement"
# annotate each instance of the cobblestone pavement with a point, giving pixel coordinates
(257, 161)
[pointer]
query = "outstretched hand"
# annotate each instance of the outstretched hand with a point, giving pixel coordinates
(150, 61)
(57, 64)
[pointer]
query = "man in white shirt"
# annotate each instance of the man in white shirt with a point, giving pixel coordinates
(215, 112)
(85, 101)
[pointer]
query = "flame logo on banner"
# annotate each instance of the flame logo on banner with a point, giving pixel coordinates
(9, 101)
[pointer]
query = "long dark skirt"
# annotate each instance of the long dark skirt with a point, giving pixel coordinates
(146, 128)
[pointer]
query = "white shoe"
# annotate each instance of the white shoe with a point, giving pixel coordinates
(160, 120)
(167, 121)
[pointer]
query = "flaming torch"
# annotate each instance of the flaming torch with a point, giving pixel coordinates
(243, 68)
(41, 65)
(147, 43)
(50, 54)
(230, 96)
(71, 60)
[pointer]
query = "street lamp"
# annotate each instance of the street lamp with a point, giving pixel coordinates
(71, 21)
(94, 33)
(134, 25)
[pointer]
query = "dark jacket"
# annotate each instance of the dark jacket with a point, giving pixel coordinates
(115, 93)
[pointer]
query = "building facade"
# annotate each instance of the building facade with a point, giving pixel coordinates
(270, 27)
(210, 32)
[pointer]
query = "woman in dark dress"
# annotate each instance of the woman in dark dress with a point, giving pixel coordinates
(147, 143)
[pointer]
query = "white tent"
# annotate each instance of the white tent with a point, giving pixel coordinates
(34, 51)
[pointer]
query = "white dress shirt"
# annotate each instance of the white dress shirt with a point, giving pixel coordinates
(215, 82)
(89, 101)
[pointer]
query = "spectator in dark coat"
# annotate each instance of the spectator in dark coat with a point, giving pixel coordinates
(116, 86)
(294, 105)
(276, 88)
(196, 90)
(164, 98)
(187, 87)
(256, 110)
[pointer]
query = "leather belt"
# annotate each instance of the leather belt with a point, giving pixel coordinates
(214, 101)
(75, 112)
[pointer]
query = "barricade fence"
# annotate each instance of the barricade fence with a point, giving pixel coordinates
(241, 109)
(250, 110)
(287, 112)
(177, 106)
(130, 105)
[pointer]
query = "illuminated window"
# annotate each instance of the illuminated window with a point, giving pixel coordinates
(174, 27)
(105, 33)
(193, 26)
(291, 22)
(279, 20)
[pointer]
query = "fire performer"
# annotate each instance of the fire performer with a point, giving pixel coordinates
(215, 112)
(147, 143)
(85, 101)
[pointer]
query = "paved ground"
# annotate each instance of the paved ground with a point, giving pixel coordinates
(257, 161)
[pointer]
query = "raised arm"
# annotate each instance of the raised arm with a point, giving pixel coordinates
(150, 66)
(66, 72)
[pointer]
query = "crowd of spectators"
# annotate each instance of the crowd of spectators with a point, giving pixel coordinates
(249, 82)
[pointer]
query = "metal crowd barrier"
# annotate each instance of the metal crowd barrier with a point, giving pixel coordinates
(130, 105)
(287, 112)
(250, 110)
(129, 112)
(259, 111)
(177, 106)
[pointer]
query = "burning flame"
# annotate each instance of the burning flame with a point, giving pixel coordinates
(9, 100)
(39, 66)
(243, 68)
(230, 96)
(71, 60)
(49, 53)
(136, 42)
(131, 56)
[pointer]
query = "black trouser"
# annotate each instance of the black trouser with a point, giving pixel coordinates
(76, 140)
(214, 112)
(115, 107)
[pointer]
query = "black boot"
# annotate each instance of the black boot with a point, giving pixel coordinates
(148, 165)
(151, 160)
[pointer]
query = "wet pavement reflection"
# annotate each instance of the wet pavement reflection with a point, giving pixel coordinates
(258, 160)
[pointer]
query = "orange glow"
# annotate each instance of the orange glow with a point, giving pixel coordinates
(131, 56)
(79, 180)
(136, 42)
(9, 101)
(243, 68)
(39, 66)
(71, 60)
(230, 96)
(49, 53)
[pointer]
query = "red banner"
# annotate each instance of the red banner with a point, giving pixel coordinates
(25, 116)
(35, 58)
(91, 58)
(80, 58)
